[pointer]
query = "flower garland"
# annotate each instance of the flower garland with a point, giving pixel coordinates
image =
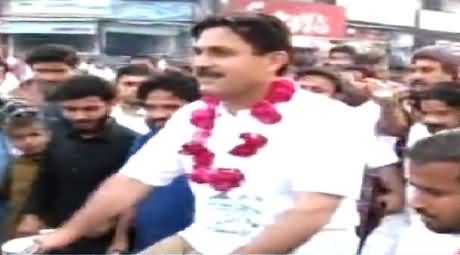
(224, 179)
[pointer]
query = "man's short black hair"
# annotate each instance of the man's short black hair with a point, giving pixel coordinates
(182, 86)
(440, 147)
(347, 49)
(265, 33)
(367, 73)
(447, 92)
(134, 70)
(331, 76)
(82, 86)
(53, 53)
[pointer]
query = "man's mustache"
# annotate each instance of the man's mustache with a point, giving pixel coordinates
(203, 72)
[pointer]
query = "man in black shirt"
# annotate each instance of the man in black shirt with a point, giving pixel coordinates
(85, 149)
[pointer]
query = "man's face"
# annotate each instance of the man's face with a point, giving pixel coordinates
(160, 105)
(317, 84)
(127, 88)
(52, 72)
(87, 114)
(340, 59)
(30, 140)
(437, 195)
(227, 67)
(426, 72)
(437, 116)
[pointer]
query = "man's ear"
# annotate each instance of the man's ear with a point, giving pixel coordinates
(277, 59)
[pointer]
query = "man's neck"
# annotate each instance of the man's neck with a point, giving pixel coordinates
(129, 108)
(248, 98)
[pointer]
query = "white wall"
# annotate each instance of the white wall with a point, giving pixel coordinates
(451, 5)
(389, 12)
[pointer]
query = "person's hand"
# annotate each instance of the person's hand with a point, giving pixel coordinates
(59, 239)
(30, 225)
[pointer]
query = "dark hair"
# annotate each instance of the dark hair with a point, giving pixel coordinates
(82, 86)
(53, 53)
(182, 86)
(323, 73)
(152, 59)
(443, 146)
(135, 70)
(447, 92)
(24, 121)
(364, 70)
(369, 59)
(265, 33)
(343, 49)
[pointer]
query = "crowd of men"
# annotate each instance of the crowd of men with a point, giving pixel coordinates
(343, 156)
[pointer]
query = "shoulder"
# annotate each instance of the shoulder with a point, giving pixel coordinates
(123, 133)
(307, 105)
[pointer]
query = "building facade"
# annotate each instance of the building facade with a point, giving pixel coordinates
(112, 27)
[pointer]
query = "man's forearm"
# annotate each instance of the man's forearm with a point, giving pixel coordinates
(290, 231)
(117, 194)
(393, 121)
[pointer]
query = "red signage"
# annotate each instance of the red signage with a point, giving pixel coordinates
(301, 18)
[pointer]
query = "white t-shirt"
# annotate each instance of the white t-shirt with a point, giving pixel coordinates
(417, 132)
(313, 149)
(417, 239)
(133, 122)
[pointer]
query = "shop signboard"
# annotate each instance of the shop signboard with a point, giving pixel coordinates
(303, 19)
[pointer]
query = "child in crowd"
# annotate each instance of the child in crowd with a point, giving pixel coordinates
(27, 131)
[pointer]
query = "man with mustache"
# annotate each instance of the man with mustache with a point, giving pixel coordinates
(439, 109)
(430, 65)
(257, 150)
(82, 152)
(434, 168)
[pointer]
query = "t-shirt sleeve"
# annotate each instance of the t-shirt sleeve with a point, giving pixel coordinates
(331, 161)
(157, 163)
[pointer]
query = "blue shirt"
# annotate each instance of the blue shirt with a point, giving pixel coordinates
(165, 211)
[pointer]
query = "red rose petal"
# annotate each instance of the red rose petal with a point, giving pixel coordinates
(254, 139)
(244, 150)
(280, 91)
(203, 118)
(192, 148)
(225, 179)
(199, 176)
(265, 113)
